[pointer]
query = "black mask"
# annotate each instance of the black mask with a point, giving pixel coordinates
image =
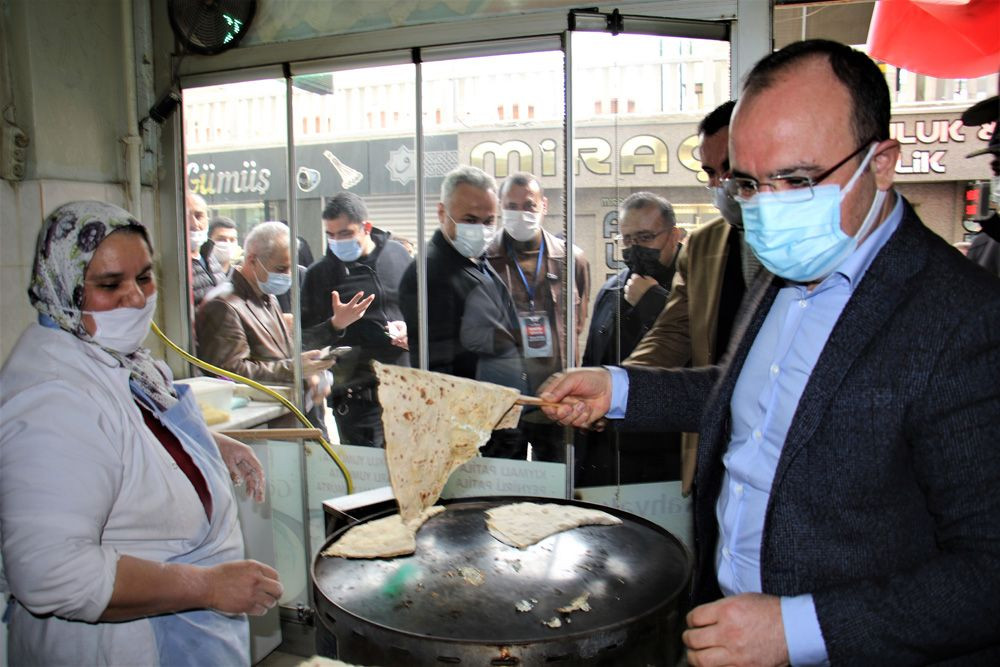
(646, 262)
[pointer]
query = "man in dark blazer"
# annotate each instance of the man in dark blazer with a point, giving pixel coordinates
(846, 496)
(471, 321)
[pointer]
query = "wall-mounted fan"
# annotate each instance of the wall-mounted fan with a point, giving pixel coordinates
(210, 26)
(206, 27)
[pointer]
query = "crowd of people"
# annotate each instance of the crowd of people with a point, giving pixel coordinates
(815, 366)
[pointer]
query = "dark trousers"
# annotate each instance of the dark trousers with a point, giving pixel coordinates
(608, 457)
(359, 420)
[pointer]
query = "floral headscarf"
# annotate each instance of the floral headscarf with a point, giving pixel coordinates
(66, 244)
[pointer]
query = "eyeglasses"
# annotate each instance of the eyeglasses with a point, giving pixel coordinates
(790, 188)
(641, 238)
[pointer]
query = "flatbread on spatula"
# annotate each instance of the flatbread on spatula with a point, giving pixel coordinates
(523, 524)
(434, 423)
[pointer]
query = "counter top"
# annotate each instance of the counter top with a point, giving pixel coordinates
(254, 413)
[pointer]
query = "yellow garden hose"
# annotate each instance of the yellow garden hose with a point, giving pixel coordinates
(267, 390)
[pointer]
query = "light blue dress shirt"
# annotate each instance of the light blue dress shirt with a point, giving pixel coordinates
(764, 401)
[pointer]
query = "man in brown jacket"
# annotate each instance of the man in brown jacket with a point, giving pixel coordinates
(714, 269)
(531, 262)
(243, 331)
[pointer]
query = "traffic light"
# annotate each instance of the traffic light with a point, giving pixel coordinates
(977, 200)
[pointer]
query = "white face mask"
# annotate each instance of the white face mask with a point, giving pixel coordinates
(471, 238)
(521, 225)
(123, 329)
(223, 251)
(197, 237)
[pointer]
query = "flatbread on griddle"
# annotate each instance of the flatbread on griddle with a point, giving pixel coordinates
(382, 538)
(523, 524)
(434, 423)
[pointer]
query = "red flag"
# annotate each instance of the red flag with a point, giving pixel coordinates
(946, 39)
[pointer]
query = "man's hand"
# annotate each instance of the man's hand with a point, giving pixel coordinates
(243, 465)
(397, 334)
(637, 286)
(585, 395)
(347, 313)
(312, 363)
(739, 630)
(318, 390)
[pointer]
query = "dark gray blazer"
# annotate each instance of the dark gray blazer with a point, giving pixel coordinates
(886, 501)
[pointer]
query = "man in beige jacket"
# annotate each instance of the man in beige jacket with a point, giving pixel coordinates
(714, 269)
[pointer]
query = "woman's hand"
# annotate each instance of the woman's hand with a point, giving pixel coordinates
(244, 466)
(242, 587)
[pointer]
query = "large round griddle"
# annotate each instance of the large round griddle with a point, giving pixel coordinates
(463, 585)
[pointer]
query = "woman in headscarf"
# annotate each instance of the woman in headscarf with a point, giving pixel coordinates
(121, 544)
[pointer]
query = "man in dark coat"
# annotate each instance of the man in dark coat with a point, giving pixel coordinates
(845, 502)
(350, 298)
(472, 325)
(626, 307)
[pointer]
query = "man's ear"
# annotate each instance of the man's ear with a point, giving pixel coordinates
(545, 205)
(367, 226)
(884, 163)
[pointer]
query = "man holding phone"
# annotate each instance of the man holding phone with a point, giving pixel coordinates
(350, 299)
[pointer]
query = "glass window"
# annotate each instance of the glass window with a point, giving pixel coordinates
(639, 187)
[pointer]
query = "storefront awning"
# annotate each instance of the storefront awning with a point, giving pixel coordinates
(948, 39)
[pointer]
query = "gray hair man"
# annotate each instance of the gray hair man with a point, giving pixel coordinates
(472, 324)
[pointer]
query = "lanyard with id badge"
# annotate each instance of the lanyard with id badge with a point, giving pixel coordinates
(536, 330)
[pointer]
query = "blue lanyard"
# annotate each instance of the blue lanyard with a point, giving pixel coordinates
(530, 289)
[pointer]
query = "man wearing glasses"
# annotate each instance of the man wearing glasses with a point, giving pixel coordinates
(845, 504)
(625, 308)
(472, 325)
(714, 270)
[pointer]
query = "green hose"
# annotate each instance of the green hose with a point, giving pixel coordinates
(267, 390)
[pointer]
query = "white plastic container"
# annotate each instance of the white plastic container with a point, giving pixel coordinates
(211, 392)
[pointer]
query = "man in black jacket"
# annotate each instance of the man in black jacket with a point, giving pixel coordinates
(472, 325)
(364, 265)
(625, 309)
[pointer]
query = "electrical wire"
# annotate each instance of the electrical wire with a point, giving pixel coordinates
(267, 390)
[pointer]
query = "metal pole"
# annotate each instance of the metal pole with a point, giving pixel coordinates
(570, 169)
(293, 228)
(423, 353)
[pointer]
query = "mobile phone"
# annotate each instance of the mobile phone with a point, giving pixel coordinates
(335, 352)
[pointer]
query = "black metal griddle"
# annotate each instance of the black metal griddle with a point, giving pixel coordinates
(462, 586)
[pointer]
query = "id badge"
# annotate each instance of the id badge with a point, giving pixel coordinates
(536, 333)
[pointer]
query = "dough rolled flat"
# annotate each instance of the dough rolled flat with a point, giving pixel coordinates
(382, 538)
(434, 423)
(523, 524)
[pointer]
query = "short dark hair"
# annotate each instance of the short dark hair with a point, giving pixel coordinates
(347, 204)
(641, 200)
(716, 119)
(220, 222)
(522, 178)
(870, 106)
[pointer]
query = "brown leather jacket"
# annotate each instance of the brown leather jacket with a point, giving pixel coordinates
(550, 298)
(243, 332)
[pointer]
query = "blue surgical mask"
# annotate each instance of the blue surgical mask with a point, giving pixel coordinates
(471, 238)
(276, 283)
(346, 250)
(802, 241)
